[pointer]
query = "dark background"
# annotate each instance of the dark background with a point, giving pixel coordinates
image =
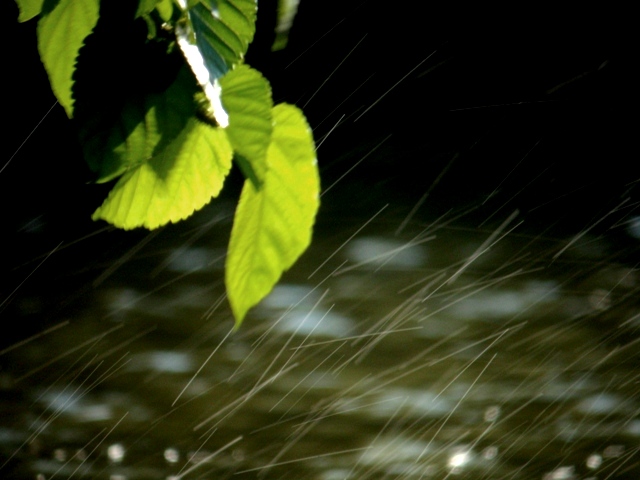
(529, 109)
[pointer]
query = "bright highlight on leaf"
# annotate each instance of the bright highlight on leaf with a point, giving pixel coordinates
(214, 37)
(61, 33)
(211, 87)
(182, 178)
(273, 225)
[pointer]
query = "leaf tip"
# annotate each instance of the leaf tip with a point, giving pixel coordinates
(239, 314)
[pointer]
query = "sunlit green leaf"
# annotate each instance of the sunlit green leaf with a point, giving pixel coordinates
(61, 33)
(273, 225)
(144, 126)
(246, 96)
(29, 9)
(180, 179)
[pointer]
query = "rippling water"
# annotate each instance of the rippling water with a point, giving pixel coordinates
(468, 308)
(442, 352)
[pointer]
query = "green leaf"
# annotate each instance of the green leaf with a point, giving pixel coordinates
(177, 181)
(246, 97)
(61, 32)
(287, 10)
(223, 31)
(145, 7)
(165, 9)
(29, 9)
(273, 225)
(214, 36)
(144, 126)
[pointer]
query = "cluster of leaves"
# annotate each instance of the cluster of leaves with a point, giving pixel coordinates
(166, 130)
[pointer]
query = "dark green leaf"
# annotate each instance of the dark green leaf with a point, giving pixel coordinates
(146, 125)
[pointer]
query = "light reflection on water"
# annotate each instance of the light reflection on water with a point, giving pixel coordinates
(509, 371)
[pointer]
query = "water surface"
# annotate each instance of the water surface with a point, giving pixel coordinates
(443, 351)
